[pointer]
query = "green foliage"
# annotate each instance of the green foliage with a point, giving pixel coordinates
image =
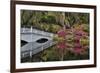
(29, 17)
(48, 19)
(77, 18)
(86, 27)
(84, 41)
(49, 55)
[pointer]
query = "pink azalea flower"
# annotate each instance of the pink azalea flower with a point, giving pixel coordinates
(77, 50)
(77, 39)
(80, 33)
(61, 45)
(77, 45)
(61, 33)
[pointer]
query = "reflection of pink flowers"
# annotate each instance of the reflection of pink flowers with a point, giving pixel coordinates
(61, 45)
(61, 33)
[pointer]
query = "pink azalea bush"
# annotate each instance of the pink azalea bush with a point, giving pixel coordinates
(61, 45)
(78, 35)
(79, 43)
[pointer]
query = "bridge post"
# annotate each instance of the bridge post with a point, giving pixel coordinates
(31, 29)
(30, 55)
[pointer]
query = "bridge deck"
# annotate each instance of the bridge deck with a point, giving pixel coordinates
(33, 47)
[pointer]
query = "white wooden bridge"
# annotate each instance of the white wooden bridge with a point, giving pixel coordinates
(31, 36)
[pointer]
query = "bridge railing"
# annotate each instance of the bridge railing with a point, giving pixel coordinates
(36, 31)
(31, 51)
